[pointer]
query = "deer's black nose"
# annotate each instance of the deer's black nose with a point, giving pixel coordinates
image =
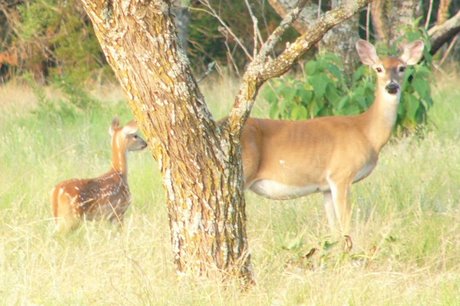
(392, 88)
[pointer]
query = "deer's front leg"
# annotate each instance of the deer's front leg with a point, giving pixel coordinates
(342, 208)
(330, 211)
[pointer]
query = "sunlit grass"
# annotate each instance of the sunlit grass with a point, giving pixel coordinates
(406, 221)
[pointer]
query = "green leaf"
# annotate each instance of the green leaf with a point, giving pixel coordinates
(270, 95)
(421, 86)
(299, 112)
(319, 83)
(287, 93)
(335, 71)
(411, 105)
(310, 67)
(342, 104)
(305, 96)
(314, 108)
(274, 113)
(422, 71)
(359, 73)
(427, 102)
(332, 94)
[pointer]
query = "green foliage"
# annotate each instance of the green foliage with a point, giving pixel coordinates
(322, 91)
(325, 90)
(74, 103)
(416, 97)
(76, 94)
(61, 37)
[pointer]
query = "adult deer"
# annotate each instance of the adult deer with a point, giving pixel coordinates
(105, 197)
(290, 159)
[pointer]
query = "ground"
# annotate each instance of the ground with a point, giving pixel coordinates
(406, 220)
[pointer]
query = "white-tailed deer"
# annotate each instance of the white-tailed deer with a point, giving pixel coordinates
(105, 197)
(289, 159)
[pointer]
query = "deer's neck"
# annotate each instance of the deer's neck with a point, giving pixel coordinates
(119, 159)
(380, 118)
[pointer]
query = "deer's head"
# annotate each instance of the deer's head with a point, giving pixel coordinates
(126, 138)
(390, 70)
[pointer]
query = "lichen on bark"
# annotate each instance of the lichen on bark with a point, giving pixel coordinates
(200, 159)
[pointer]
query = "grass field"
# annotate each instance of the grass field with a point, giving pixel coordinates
(406, 221)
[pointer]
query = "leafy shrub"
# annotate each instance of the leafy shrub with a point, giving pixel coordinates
(416, 92)
(324, 90)
(76, 100)
(58, 39)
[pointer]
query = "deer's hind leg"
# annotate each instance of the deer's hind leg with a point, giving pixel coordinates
(64, 213)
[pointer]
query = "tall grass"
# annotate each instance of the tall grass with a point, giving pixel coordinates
(406, 221)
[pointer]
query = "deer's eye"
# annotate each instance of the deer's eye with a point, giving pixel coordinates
(402, 68)
(379, 69)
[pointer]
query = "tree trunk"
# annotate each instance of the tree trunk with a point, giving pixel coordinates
(341, 41)
(200, 164)
(389, 18)
(200, 161)
(182, 19)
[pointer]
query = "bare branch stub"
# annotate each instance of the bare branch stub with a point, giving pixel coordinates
(256, 31)
(276, 34)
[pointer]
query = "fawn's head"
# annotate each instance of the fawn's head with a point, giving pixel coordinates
(126, 138)
(390, 70)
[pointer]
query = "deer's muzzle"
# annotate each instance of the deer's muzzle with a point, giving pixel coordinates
(392, 88)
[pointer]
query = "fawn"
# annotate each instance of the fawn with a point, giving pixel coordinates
(104, 197)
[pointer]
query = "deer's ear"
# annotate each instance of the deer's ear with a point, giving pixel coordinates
(115, 125)
(412, 52)
(130, 128)
(367, 53)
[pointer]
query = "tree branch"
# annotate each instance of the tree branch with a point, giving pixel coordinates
(275, 36)
(255, 23)
(213, 13)
(305, 18)
(260, 71)
(442, 33)
(443, 11)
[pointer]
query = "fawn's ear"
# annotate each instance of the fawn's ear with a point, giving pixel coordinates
(367, 53)
(114, 126)
(412, 52)
(130, 128)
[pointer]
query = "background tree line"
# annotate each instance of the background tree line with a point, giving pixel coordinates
(51, 41)
(54, 39)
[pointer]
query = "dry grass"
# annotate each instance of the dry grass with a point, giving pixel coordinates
(15, 99)
(406, 225)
